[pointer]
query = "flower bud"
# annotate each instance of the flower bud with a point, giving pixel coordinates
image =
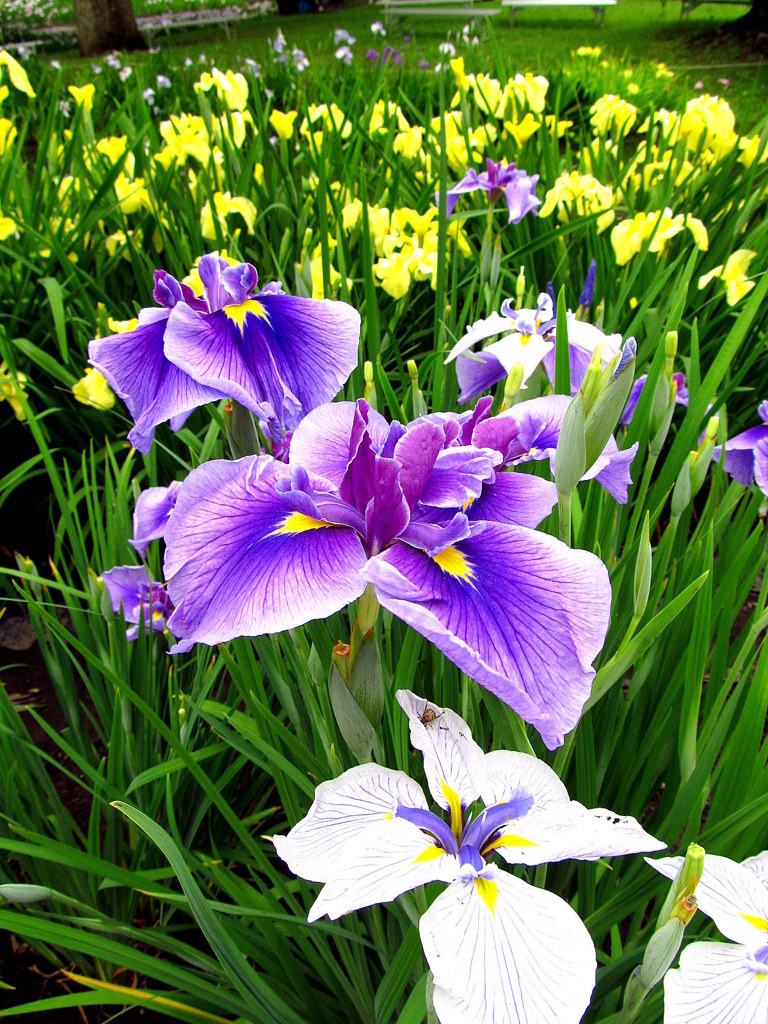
(240, 427)
(366, 682)
(643, 567)
(570, 457)
(369, 392)
(670, 346)
(419, 405)
(495, 264)
(520, 287)
(681, 495)
(368, 610)
(615, 386)
(684, 883)
(24, 894)
(656, 443)
(660, 404)
(590, 386)
(286, 247)
(353, 725)
(340, 658)
(588, 291)
(664, 945)
(661, 952)
(513, 384)
(701, 459)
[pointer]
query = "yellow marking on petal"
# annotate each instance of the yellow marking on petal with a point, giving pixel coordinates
(454, 805)
(488, 892)
(157, 616)
(297, 522)
(431, 853)
(455, 563)
(509, 839)
(237, 314)
(388, 816)
(468, 504)
(756, 922)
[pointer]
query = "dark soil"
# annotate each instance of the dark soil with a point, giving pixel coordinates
(27, 683)
(32, 976)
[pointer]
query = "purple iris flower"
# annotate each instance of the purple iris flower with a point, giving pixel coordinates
(681, 396)
(421, 513)
(746, 454)
(530, 432)
(131, 587)
(278, 355)
(588, 291)
(150, 516)
(517, 186)
(391, 54)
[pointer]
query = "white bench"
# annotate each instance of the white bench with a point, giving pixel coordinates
(27, 47)
(439, 9)
(597, 6)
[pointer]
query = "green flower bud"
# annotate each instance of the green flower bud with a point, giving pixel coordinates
(643, 566)
(368, 611)
(366, 682)
(495, 264)
(350, 718)
(593, 379)
(701, 459)
(513, 384)
(241, 431)
(520, 287)
(24, 894)
(684, 884)
(571, 455)
(681, 495)
(369, 392)
(661, 952)
(419, 405)
(615, 385)
(670, 345)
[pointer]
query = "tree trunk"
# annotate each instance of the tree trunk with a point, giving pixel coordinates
(753, 23)
(104, 25)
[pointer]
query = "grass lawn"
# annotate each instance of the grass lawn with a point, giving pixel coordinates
(540, 41)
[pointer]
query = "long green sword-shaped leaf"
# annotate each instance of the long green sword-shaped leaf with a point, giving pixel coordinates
(246, 980)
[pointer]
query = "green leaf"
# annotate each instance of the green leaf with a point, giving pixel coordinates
(246, 980)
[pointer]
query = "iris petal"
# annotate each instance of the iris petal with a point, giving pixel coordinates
(238, 564)
(342, 809)
(517, 610)
(451, 757)
(386, 859)
(503, 951)
(715, 985)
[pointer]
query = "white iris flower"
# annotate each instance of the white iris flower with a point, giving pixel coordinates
(500, 950)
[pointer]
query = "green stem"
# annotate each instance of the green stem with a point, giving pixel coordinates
(639, 500)
(563, 756)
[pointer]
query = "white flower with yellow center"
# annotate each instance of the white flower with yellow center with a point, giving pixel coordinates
(500, 950)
